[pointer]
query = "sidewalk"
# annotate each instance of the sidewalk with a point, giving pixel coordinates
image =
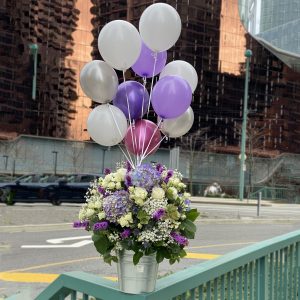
(229, 201)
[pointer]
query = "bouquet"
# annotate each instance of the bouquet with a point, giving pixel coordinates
(145, 209)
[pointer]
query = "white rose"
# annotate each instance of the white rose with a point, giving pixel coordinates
(89, 212)
(139, 201)
(176, 181)
(104, 184)
(123, 222)
(118, 185)
(157, 193)
(97, 204)
(108, 177)
(111, 185)
(186, 195)
(128, 217)
(101, 215)
(140, 192)
(120, 174)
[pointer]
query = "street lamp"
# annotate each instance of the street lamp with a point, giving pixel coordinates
(34, 50)
(6, 160)
(248, 55)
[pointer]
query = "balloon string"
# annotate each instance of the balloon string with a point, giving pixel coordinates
(128, 158)
(144, 85)
(152, 81)
(129, 115)
(154, 147)
(116, 123)
(144, 152)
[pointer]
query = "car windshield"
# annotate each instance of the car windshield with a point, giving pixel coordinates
(26, 178)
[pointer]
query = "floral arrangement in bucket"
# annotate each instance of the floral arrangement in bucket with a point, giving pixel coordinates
(145, 210)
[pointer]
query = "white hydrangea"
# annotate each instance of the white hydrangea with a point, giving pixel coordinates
(157, 193)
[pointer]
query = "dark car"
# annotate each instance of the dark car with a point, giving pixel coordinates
(71, 188)
(27, 188)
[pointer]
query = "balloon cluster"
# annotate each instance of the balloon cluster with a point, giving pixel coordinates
(122, 47)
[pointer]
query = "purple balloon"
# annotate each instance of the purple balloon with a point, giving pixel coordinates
(171, 97)
(137, 96)
(144, 65)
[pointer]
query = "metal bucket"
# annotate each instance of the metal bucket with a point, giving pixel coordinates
(136, 279)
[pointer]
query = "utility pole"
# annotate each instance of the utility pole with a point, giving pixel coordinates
(248, 55)
(55, 161)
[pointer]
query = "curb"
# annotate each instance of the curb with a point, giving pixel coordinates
(248, 221)
(193, 200)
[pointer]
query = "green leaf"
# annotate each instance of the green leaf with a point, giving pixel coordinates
(102, 244)
(192, 214)
(143, 217)
(189, 225)
(136, 257)
(160, 255)
(188, 234)
(182, 253)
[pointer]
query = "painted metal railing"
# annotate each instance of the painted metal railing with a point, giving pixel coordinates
(269, 270)
(272, 193)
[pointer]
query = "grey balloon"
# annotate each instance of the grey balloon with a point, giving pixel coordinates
(177, 127)
(99, 81)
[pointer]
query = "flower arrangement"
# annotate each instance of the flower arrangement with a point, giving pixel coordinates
(145, 209)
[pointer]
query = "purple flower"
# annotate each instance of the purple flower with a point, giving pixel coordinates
(100, 225)
(126, 233)
(136, 232)
(107, 171)
(128, 181)
(79, 224)
(128, 166)
(181, 240)
(158, 214)
(159, 168)
(117, 205)
(187, 202)
(101, 190)
(170, 173)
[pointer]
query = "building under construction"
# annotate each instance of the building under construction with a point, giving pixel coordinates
(213, 40)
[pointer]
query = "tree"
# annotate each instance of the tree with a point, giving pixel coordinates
(195, 143)
(254, 144)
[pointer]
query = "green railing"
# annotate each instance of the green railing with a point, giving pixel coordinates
(269, 270)
(272, 193)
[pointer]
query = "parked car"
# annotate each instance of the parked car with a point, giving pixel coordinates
(71, 188)
(27, 188)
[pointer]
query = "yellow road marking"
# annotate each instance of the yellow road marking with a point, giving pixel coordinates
(34, 277)
(189, 255)
(201, 256)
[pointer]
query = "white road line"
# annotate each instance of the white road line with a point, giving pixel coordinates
(61, 240)
(75, 245)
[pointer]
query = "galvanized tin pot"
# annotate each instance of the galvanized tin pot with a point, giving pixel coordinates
(136, 279)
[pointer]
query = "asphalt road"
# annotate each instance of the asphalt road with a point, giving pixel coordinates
(32, 256)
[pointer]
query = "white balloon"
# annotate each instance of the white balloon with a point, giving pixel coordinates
(119, 44)
(107, 125)
(99, 81)
(177, 127)
(160, 26)
(183, 69)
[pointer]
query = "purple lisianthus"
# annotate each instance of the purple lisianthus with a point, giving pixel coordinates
(128, 166)
(107, 171)
(101, 190)
(158, 214)
(128, 181)
(100, 226)
(169, 175)
(126, 233)
(181, 240)
(79, 224)
(159, 168)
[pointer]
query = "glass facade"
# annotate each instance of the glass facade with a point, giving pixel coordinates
(275, 24)
(213, 40)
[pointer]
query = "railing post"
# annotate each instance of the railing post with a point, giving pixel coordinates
(263, 281)
(258, 203)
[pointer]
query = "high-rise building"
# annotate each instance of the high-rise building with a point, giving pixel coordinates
(213, 40)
